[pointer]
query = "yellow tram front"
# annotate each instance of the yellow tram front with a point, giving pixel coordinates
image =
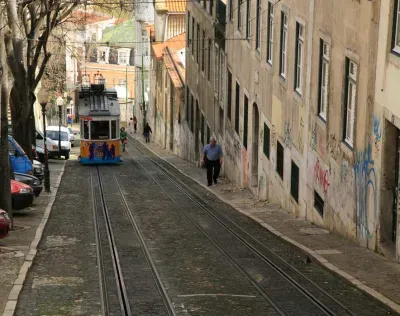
(99, 116)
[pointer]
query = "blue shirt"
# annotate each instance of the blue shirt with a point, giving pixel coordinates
(213, 153)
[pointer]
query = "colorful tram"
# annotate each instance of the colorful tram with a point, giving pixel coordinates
(99, 113)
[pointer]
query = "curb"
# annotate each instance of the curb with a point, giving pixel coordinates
(321, 260)
(23, 272)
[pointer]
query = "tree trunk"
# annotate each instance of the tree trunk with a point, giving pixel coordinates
(5, 186)
(22, 126)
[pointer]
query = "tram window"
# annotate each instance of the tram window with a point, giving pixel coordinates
(100, 130)
(113, 129)
(85, 129)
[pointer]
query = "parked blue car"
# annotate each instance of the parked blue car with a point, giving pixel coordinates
(19, 160)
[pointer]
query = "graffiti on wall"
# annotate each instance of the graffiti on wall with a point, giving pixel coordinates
(313, 141)
(365, 178)
(288, 135)
(273, 137)
(322, 176)
(301, 144)
(344, 170)
(377, 133)
(333, 146)
(261, 183)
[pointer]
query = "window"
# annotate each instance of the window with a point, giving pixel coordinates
(202, 129)
(193, 41)
(188, 29)
(211, 7)
(221, 121)
(284, 34)
(294, 183)
(396, 28)
(239, 15)
(270, 33)
(248, 25)
(267, 137)
(230, 10)
(99, 130)
(245, 121)
(237, 108)
(198, 44)
(123, 58)
(114, 129)
(229, 103)
(323, 80)
(187, 103)
(85, 126)
(298, 82)
(191, 113)
(258, 24)
(203, 53)
(209, 60)
(319, 203)
(279, 159)
(350, 99)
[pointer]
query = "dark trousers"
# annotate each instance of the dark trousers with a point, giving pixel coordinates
(212, 164)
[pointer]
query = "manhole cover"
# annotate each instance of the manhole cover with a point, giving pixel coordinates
(314, 231)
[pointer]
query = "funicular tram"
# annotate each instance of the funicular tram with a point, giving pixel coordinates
(99, 113)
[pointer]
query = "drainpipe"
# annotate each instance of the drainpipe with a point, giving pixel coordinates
(308, 95)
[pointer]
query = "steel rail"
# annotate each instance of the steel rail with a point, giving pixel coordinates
(99, 255)
(157, 278)
(259, 288)
(183, 188)
(119, 279)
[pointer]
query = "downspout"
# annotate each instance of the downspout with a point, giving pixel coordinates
(308, 96)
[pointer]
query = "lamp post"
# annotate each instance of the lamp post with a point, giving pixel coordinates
(71, 103)
(43, 97)
(60, 103)
(65, 107)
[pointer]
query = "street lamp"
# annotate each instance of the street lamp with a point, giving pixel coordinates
(71, 103)
(43, 97)
(60, 103)
(65, 107)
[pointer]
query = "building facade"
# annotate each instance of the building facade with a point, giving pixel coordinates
(383, 167)
(300, 97)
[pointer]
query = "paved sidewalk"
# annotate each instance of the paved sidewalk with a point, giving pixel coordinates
(18, 249)
(367, 270)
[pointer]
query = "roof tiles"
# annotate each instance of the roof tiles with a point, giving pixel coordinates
(176, 6)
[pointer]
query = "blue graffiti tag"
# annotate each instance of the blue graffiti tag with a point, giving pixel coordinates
(364, 171)
(377, 132)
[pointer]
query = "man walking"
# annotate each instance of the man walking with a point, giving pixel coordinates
(212, 157)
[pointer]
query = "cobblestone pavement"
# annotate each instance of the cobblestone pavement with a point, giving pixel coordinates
(205, 269)
(15, 247)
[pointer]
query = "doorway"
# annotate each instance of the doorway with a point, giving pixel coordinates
(256, 132)
(197, 129)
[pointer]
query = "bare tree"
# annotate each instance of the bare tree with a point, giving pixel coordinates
(30, 24)
(5, 190)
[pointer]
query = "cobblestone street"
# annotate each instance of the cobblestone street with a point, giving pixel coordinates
(143, 239)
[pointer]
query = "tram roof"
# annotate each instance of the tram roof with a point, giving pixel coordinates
(96, 100)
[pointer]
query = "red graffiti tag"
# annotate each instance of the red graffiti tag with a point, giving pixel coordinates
(322, 176)
(86, 118)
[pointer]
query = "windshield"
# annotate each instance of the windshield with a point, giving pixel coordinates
(11, 148)
(70, 130)
(54, 135)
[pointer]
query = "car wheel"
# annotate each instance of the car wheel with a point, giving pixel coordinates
(67, 156)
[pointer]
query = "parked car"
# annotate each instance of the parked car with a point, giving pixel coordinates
(5, 224)
(53, 132)
(71, 137)
(38, 170)
(32, 181)
(19, 159)
(40, 154)
(52, 146)
(22, 195)
(34, 153)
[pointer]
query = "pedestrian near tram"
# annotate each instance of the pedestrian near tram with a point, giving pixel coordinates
(212, 158)
(147, 131)
(122, 136)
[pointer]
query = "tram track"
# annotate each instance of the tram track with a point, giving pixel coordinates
(126, 303)
(325, 303)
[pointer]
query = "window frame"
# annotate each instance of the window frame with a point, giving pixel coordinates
(203, 60)
(324, 72)
(229, 96)
(188, 30)
(270, 33)
(245, 120)
(267, 141)
(237, 106)
(230, 10)
(193, 30)
(284, 44)
(239, 15)
(280, 168)
(299, 58)
(209, 60)
(350, 99)
(258, 24)
(198, 44)
(248, 20)
(396, 28)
